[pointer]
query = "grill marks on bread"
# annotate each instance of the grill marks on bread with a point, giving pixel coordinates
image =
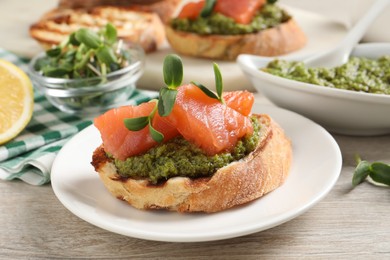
(144, 28)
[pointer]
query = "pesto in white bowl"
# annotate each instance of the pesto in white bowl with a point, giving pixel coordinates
(340, 111)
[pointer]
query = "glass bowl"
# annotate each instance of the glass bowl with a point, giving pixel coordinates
(91, 95)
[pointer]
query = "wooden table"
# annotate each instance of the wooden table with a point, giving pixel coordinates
(348, 223)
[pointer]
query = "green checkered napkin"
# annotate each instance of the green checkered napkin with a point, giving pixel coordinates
(30, 155)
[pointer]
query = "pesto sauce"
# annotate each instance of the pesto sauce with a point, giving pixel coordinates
(178, 157)
(269, 16)
(358, 74)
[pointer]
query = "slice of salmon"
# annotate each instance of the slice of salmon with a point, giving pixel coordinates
(240, 11)
(206, 122)
(212, 126)
(191, 10)
(123, 143)
(241, 101)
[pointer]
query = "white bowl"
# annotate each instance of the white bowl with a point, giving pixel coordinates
(339, 111)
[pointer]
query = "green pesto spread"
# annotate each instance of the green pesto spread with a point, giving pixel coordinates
(178, 157)
(269, 16)
(358, 74)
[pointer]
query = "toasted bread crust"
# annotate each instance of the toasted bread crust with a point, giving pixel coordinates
(262, 171)
(279, 40)
(139, 27)
(164, 8)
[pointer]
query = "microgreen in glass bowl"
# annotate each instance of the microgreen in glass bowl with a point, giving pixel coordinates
(89, 72)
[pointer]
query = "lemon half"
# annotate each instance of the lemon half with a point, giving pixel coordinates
(16, 100)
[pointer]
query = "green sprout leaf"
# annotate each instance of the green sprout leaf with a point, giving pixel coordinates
(380, 173)
(55, 52)
(137, 123)
(42, 64)
(361, 172)
(173, 71)
(59, 71)
(218, 81)
(110, 34)
(81, 52)
(208, 8)
(271, 1)
(205, 90)
(167, 98)
(56, 72)
(89, 38)
(84, 60)
(106, 55)
(218, 85)
(73, 40)
(156, 135)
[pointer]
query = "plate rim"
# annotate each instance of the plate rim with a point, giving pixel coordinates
(201, 237)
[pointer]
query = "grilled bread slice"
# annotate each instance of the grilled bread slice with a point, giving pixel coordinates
(164, 8)
(279, 40)
(139, 27)
(262, 171)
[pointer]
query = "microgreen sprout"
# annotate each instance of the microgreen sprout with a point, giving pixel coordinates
(139, 123)
(218, 85)
(379, 172)
(84, 54)
(173, 77)
(208, 8)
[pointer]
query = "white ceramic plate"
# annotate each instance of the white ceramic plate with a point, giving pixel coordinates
(315, 169)
(322, 34)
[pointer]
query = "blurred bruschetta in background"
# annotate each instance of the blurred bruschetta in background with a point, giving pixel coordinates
(229, 28)
(137, 23)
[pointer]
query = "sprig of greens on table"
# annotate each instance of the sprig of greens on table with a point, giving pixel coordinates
(84, 54)
(173, 77)
(379, 172)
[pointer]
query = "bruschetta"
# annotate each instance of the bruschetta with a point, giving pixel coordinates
(230, 28)
(143, 28)
(214, 156)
